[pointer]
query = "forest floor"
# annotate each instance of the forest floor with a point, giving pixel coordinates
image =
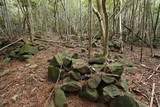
(27, 85)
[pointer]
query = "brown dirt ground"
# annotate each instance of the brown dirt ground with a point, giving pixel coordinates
(30, 87)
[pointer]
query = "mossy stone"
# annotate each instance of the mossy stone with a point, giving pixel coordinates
(60, 99)
(108, 79)
(123, 101)
(110, 92)
(75, 75)
(94, 81)
(72, 86)
(53, 73)
(116, 68)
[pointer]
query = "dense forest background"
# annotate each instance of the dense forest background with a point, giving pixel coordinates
(136, 20)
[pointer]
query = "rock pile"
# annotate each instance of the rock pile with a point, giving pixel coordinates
(95, 80)
(22, 50)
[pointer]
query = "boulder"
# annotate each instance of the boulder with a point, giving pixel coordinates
(110, 92)
(89, 93)
(108, 79)
(72, 86)
(75, 75)
(116, 68)
(100, 60)
(53, 73)
(94, 81)
(123, 101)
(60, 99)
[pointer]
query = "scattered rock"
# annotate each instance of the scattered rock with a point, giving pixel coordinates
(53, 73)
(33, 66)
(60, 99)
(14, 98)
(110, 92)
(72, 86)
(123, 101)
(94, 81)
(100, 60)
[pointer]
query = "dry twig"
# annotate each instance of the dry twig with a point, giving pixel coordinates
(158, 104)
(152, 97)
(11, 44)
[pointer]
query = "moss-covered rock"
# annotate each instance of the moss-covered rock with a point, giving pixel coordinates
(75, 56)
(22, 50)
(67, 62)
(123, 60)
(94, 81)
(110, 92)
(123, 84)
(91, 94)
(60, 99)
(75, 75)
(57, 60)
(28, 49)
(116, 68)
(71, 86)
(98, 67)
(83, 69)
(68, 79)
(123, 101)
(53, 73)
(108, 79)
(100, 60)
